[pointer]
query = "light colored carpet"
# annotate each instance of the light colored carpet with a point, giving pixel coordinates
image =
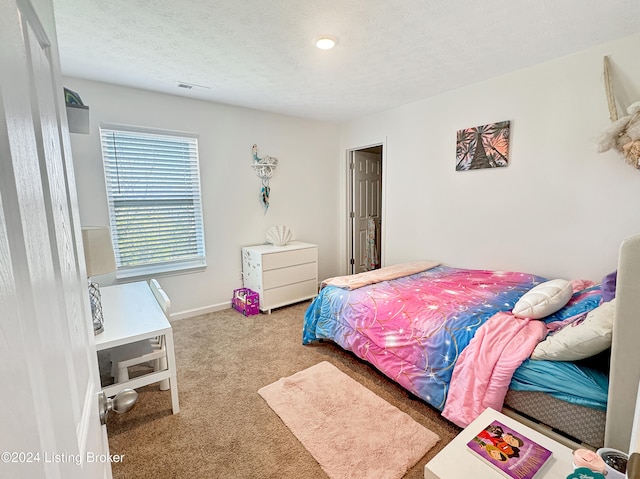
(224, 428)
(350, 431)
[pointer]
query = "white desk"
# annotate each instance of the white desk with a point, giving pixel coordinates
(131, 313)
(455, 462)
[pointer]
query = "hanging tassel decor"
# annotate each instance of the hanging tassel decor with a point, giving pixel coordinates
(264, 169)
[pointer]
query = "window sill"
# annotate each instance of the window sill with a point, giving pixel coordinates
(145, 272)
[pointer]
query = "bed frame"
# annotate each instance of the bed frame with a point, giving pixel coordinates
(624, 374)
(625, 359)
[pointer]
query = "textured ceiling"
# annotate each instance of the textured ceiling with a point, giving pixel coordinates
(260, 53)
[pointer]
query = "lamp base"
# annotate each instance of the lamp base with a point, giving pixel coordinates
(96, 308)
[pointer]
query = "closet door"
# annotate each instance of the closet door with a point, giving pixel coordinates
(367, 205)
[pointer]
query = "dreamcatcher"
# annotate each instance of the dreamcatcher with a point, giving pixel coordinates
(264, 169)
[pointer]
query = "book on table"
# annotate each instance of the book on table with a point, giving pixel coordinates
(509, 451)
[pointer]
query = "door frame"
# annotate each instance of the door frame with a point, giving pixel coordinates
(350, 191)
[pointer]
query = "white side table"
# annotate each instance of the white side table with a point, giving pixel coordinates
(131, 313)
(455, 462)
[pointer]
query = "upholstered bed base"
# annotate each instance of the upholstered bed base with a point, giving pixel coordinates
(580, 425)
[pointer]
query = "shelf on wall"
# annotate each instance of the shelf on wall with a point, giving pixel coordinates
(78, 118)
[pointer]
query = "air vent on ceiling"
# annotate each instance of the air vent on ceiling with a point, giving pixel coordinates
(189, 86)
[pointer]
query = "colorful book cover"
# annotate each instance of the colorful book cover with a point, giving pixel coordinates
(508, 451)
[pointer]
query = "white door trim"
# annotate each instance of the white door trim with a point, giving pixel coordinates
(349, 154)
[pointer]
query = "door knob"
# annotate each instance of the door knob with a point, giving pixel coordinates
(120, 403)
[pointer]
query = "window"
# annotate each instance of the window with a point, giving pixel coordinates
(153, 190)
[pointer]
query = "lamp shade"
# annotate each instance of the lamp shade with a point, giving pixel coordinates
(98, 251)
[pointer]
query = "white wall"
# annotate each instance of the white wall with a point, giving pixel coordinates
(304, 188)
(560, 209)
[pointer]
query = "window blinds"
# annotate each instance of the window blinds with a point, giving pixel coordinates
(153, 190)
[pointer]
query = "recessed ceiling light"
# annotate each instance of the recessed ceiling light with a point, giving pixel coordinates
(326, 42)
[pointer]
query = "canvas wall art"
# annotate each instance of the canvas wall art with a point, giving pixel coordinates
(485, 146)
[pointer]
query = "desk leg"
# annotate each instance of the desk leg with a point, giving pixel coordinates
(173, 381)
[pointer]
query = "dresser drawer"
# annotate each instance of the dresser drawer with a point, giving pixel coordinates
(294, 274)
(282, 259)
(276, 297)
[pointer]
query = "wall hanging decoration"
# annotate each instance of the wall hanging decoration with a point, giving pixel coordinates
(485, 146)
(624, 133)
(264, 169)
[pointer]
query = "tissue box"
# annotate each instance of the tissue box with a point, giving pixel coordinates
(245, 301)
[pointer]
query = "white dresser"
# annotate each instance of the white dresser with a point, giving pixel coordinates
(281, 275)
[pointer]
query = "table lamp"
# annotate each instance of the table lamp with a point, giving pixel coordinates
(99, 258)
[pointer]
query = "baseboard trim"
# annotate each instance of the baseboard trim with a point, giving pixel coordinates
(190, 313)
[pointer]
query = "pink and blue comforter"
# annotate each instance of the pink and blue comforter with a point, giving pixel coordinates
(413, 329)
(447, 335)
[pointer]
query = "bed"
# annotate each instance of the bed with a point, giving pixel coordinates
(450, 337)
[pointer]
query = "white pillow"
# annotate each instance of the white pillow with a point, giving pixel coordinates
(581, 339)
(544, 299)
